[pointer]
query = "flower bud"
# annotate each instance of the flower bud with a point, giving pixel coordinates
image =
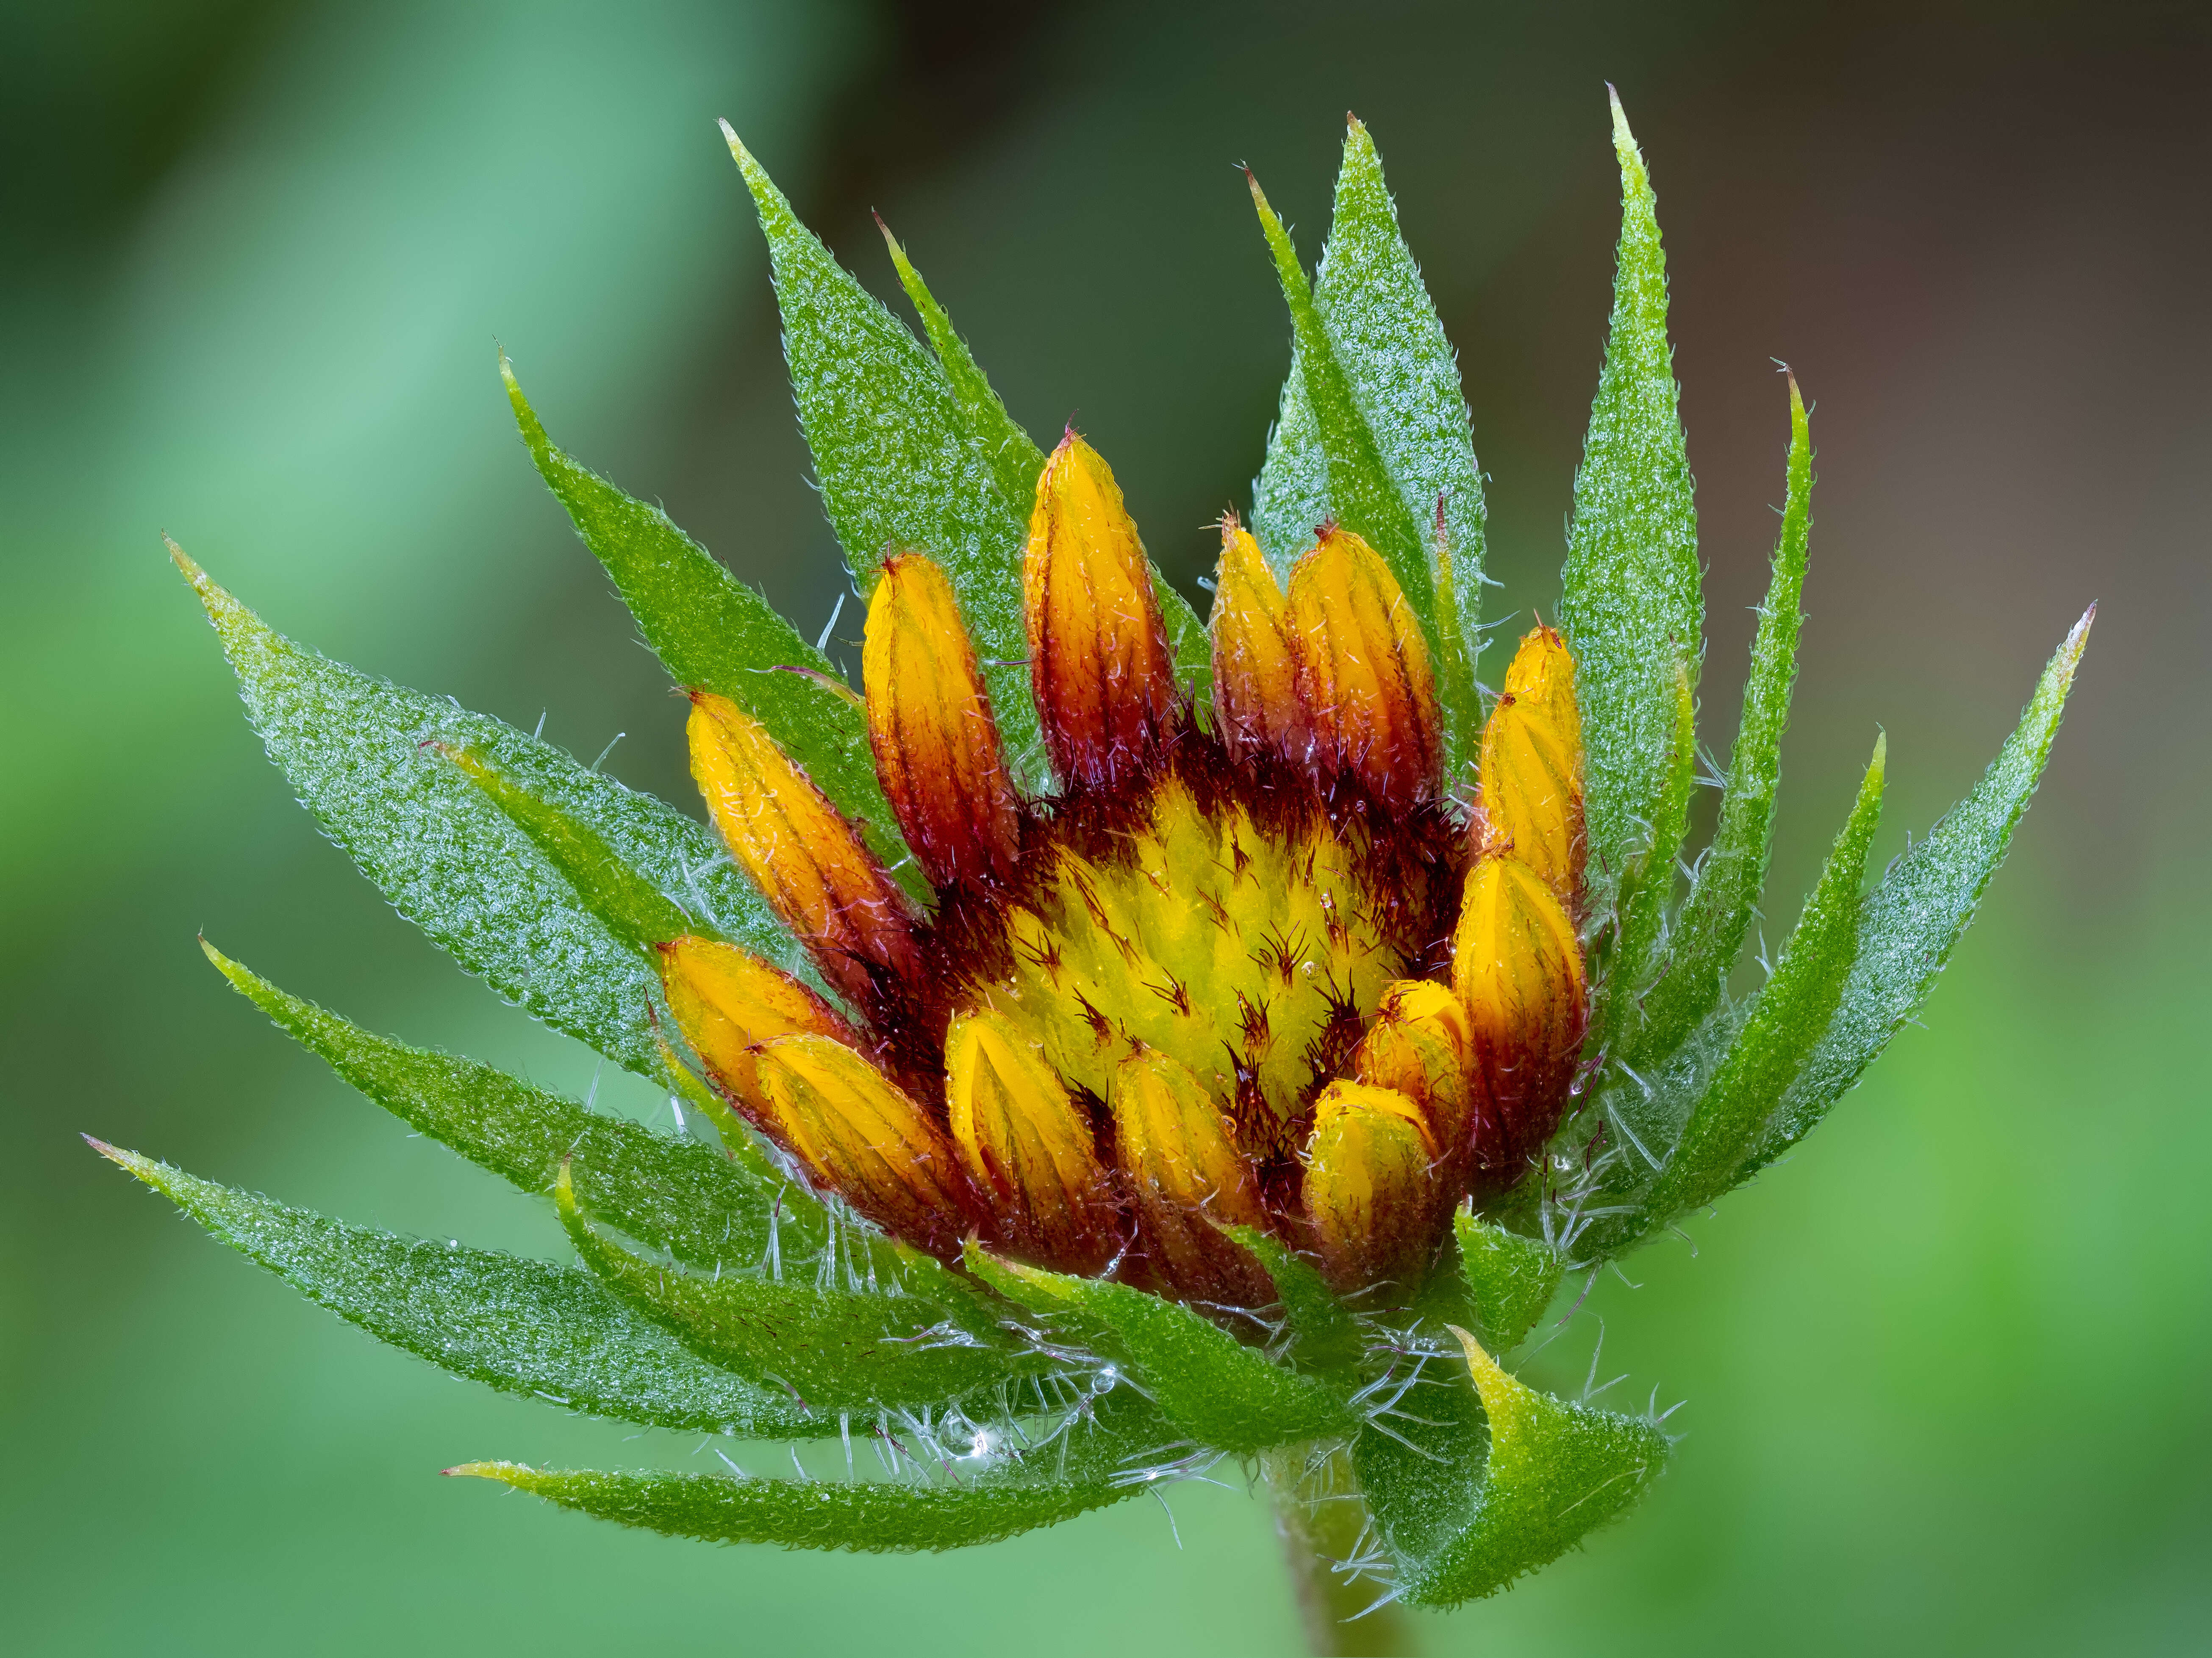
(1364, 673)
(1181, 1162)
(1370, 1187)
(1256, 705)
(728, 1002)
(811, 866)
(1099, 661)
(1532, 765)
(1419, 1047)
(1028, 1147)
(1517, 968)
(930, 724)
(865, 1139)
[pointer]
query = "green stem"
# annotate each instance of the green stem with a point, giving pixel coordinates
(1321, 1519)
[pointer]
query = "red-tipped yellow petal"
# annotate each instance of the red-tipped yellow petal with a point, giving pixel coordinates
(811, 866)
(1517, 968)
(728, 1002)
(1419, 1047)
(1532, 765)
(1370, 1187)
(1099, 661)
(863, 1137)
(1256, 704)
(1364, 673)
(1180, 1161)
(1028, 1147)
(930, 724)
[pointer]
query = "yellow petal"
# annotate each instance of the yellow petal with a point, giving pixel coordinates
(727, 1002)
(866, 1138)
(1370, 1188)
(1028, 1147)
(1418, 1047)
(1256, 704)
(1181, 1164)
(811, 866)
(1517, 968)
(1099, 661)
(1532, 765)
(930, 725)
(1364, 673)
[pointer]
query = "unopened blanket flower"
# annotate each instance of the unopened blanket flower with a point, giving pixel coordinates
(1107, 1043)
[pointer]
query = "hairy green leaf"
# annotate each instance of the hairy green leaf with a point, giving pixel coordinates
(1909, 923)
(1724, 895)
(700, 1206)
(1649, 880)
(1072, 1474)
(1012, 454)
(1555, 1472)
(1324, 1335)
(852, 1332)
(1221, 1392)
(455, 864)
(893, 456)
(1510, 1278)
(635, 911)
(1421, 1466)
(1630, 600)
(1792, 1011)
(1379, 330)
(714, 633)
(1015, 461)
(524, 1327)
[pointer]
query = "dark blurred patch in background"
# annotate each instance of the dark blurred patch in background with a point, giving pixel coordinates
(1945, 1367)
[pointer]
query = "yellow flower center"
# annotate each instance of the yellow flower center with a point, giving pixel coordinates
(1255, 953)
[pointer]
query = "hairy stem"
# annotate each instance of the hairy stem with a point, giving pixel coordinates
(1322, 1520)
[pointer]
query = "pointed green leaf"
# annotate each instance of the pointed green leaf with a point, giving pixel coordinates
(1015, 461)
(1510, 1278)
(524, 1327)
(1361, 495)
(714, 633)
(635, 910)
(1630, 600)
(1910, 921)
(1382, 331)
(1012, 454)
(850, 1334)
(893, 457)
(453, 863)
(700, 1206)
(1724, 898)
(1421, 1466)
(1324, 1335)
(1071, 1475)
(1649, 880)
(1221, 1392)
(1792, 1011)
(1555, 1472)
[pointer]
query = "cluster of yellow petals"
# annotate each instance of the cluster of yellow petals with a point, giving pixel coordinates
(1063, 1137)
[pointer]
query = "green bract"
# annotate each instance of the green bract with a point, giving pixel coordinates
(717, 1293)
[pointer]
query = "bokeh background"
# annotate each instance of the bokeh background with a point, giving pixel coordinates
(1947, 1369)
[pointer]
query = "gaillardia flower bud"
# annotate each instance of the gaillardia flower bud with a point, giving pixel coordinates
(728, 1003)
(930, 725)
(1368, 1180)
(817, 875)
(1149, 1041)
(1532, 752)
(859, 1134)
(1099, 651)
(1364, 673)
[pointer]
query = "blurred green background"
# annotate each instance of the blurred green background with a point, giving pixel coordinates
(1947, 1369)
